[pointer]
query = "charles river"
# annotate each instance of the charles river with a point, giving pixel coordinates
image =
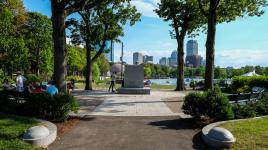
(172, 81)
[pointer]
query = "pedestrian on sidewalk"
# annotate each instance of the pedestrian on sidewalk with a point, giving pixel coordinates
(112, 84)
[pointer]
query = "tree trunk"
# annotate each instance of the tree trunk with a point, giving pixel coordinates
(59, 36)
(37, 63)
(180, 72)
(210, 45)
(88, 68)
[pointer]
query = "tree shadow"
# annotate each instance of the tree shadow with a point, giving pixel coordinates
(177, 124)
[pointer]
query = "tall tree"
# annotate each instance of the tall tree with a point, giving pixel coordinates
(99, 26)
(185, 18)
(13, 53)
(38, 39)
(60, 10)
(218, 11)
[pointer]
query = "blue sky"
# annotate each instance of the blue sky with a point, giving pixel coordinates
(239, 43)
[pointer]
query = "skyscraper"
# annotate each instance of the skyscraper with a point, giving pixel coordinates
(192, 48)
(148, 59)
(173, 59)
(137, 58)
(164, 61)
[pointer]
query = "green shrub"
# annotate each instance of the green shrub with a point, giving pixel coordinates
(244, 111)
(194, 104)
(41, 105)
(261, 107)
(244, 83)
(212, 104)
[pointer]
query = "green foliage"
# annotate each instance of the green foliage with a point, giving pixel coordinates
(244, 111)
(31, 78)
(261, 107)
(220, 73)
(76, 58)
(244, 84)
(40, 105)
(11, 129)
(212, 103)
(95, 72)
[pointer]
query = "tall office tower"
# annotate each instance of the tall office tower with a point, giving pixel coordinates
(192, 48)
(137, 58)
(194, 61)
(173, 59)
(164, 61)
(110, 54)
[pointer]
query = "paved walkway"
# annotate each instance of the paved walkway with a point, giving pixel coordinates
(129, 105)
(130, 122)
(131, 133)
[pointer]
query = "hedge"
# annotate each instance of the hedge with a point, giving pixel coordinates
(40, 105)
(245, 84)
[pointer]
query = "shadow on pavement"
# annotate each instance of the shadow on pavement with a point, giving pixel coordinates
(177, 124)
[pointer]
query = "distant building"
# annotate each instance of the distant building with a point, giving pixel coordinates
(192, 48)
(148, 59)
(229, 68)
(137, 58)
(203, 63)
(164, 61)
(173, 59)
(194, 61)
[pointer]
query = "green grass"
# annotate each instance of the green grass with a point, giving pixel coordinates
(249, 134)
(12, 129)
(103, 86)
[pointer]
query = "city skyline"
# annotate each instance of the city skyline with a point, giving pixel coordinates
(151, 36)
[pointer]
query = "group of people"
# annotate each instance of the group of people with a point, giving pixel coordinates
(31, 87)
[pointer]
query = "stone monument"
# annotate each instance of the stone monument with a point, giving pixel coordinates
(133, 81)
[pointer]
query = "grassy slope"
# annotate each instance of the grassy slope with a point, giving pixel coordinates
(250, 134)
(11, 132)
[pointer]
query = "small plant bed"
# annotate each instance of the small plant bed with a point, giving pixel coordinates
(249, 134)
(66, 126)
(11, 132)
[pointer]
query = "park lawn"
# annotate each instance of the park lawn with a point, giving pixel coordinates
(12, 129)
(103, 86)
(249, 134)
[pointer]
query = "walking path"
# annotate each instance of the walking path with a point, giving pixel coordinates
(131, 122)
(129, 105)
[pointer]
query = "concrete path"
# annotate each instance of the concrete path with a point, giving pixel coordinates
(131, 133)
(129, 105)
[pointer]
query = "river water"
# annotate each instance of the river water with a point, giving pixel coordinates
(172, 81)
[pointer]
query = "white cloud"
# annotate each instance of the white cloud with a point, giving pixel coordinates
(241, 57)
(146, 8)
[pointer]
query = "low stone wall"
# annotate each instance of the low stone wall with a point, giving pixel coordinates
(41, 139)
(218, 143)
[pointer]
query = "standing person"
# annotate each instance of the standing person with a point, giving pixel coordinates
(20, 79)
(113, 79)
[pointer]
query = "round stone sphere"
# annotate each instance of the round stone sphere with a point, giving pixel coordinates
(220, 134)
(219, 138)
(36, 132)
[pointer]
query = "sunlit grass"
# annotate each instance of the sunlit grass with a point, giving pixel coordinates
(11, 132)
(249, 134)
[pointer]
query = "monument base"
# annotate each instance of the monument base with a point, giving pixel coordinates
(145, 90)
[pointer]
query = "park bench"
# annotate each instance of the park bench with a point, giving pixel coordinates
(244, 98)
